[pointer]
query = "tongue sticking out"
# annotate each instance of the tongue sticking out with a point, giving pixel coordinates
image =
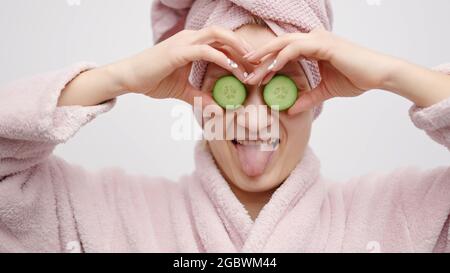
(254, 160)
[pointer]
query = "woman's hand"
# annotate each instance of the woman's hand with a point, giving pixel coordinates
(349, 70)
(161, 71)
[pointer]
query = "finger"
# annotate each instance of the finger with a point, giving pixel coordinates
(226, 49)
(268, 77)
(224, 36)
(191, 94)
(273, 46)
(260, 72)
(314, 46)
(207, 53)
(287, 54)
(295, 51)
(310, 99)
(272, 65)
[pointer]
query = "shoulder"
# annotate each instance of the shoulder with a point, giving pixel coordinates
(397, 188)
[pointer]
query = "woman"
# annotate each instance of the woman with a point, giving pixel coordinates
(240, 198)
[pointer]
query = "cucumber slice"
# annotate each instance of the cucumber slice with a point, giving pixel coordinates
(280, 93)
(229, 92)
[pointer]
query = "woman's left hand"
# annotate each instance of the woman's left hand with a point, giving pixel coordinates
(349, 70)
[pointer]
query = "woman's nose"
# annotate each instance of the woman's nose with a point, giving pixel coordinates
(256, 114)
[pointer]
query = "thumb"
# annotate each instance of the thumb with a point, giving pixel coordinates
(191, 93)
(309, 100)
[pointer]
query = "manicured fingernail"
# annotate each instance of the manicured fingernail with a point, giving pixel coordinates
(232, 64)
(272, 66)
(249, 77)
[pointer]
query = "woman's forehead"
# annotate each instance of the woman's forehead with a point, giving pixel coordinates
(255, 35)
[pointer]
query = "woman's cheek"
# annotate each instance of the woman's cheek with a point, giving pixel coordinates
(298, 129)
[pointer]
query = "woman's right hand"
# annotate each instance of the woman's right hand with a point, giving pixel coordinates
(162, 71)
(158, 72)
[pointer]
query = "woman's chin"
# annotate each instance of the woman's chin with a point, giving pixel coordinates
(256, 184)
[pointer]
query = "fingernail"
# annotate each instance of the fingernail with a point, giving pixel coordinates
(245, 75)
(255, 62)
(272, 66)
(232, 64)
(249, 77)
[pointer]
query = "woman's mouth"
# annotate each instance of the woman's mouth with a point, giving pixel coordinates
(255, 155)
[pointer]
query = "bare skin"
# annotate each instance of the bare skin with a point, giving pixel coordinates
(343, 76)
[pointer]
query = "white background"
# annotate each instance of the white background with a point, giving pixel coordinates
(352, 137)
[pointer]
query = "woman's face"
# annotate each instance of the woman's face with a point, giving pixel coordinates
(249, 165)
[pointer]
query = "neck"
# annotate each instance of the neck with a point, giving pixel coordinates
(252, 201)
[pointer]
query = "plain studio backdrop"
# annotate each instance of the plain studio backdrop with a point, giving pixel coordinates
(352, 137)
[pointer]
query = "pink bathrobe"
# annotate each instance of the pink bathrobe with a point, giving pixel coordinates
(47, 205)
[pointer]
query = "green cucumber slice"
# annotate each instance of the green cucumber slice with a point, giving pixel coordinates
(280, 93)
(229, 92)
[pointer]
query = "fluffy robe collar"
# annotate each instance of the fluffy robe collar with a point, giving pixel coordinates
(224, 225)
